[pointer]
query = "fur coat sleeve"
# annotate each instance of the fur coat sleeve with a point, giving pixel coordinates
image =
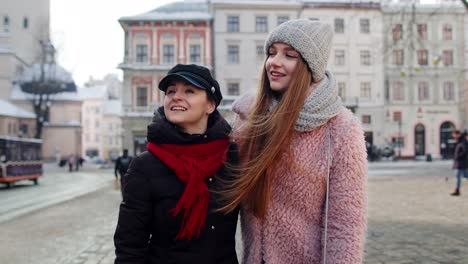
(348, 192)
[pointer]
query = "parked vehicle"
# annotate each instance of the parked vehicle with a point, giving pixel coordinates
(20, 159)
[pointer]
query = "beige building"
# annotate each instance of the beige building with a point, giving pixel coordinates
(61, 134)
(240, 30)
(101, 121)
(464, 94)
(15, 121)
(424, 76)
(356, 58)
(154, 42)
(24, 29)
(23, 25)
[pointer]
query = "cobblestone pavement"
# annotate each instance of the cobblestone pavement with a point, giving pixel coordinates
(415, 220)
(411, 220)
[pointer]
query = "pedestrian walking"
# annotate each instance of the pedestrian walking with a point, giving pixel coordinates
(121, 166)
(302, 187)
(71, 162)
(172, 190)
(460, 159)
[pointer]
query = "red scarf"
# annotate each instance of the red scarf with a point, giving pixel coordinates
(192, 164)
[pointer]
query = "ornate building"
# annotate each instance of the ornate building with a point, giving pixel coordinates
(155, 41)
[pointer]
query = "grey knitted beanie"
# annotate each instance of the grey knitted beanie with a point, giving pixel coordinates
(310, 38)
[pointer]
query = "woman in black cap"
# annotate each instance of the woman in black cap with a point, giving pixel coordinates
(170, 191)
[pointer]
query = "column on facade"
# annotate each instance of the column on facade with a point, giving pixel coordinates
(181, 44)
(207, 58)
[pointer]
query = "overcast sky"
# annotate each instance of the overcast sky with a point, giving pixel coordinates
(88, 38)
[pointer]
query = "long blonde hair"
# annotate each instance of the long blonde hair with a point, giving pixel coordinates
(266, 136)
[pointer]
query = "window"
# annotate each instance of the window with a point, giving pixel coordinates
(449, 91)
(342, 90)
(447, 32)
(364, 25)
(168, 54)
(398, 93)
(282, 19)
(447, 57)
(366, 119)
(397, 32)
(96, 123)
(398, 58)
(96, 138)
(25, 22)
(365, 90)
(23, 128)
(142, 96)
(233, 54)
(259, 49)
(365, 58)
(397, 117)
(423, 91)
(233, 89)
(339, 25)
(422, 57)
(233, 24)
(422, 31)
(97, 110)
(6, 23)
(261, 24)
(339, 57)
(195, 56)
(141, 53)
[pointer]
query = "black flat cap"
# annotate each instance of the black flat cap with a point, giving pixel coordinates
(196, 75)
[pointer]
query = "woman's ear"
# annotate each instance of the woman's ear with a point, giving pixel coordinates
(210, 107)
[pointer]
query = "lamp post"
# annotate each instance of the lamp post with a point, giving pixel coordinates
(399, 139)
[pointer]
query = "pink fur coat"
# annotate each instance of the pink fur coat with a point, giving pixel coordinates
(292, 231)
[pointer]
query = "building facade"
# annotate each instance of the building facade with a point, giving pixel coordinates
(23, 25)
(400, 65)
(155, 41)
(101, 123)
(14, 121)
(424, 76)
(240, 30)
(356, 58)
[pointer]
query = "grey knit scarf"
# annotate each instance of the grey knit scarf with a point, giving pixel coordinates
(322, 104)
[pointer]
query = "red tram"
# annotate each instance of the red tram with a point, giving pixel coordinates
(20, 159)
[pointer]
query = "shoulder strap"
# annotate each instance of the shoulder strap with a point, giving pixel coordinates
(325, 237)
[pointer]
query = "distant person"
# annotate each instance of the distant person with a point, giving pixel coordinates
(71, 162)
(121, 166)
(168, 213)
(460, 159)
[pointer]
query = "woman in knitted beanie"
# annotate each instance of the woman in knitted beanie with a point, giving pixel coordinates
(302, 186)
(170, 192)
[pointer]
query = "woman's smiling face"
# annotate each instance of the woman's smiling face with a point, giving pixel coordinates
(280, 65)
(187, 106)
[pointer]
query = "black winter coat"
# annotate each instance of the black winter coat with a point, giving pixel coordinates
(460, 156)
(146, 231)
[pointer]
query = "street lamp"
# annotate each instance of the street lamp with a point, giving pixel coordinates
(399, 139)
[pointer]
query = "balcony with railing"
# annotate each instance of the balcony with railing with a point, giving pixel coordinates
(139, 111)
